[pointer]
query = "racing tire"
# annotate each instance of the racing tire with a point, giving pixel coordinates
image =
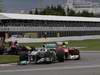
(60, 56)
(66, 55)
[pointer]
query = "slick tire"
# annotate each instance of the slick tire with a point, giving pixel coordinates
(60, 56)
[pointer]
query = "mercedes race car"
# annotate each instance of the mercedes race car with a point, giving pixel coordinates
(43, 55)
(47, 54)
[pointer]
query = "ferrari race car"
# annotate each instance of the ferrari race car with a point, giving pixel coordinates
(71, 53)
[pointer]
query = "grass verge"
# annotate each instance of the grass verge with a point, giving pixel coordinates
(87, 44)
(5, 59)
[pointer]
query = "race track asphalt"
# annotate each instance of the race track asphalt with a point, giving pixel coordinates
(88, 65)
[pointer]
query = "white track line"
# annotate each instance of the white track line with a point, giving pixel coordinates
(2, 65)
(12, 64)
(51, 69)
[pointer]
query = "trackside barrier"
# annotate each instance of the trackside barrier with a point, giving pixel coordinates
(54, 39)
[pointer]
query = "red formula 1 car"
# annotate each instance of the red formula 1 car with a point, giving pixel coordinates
(71, 53)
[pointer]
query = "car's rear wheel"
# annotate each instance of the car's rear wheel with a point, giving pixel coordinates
(60, 56)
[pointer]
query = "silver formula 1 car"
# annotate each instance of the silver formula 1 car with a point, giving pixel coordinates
(48, 54)
(43, 55)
